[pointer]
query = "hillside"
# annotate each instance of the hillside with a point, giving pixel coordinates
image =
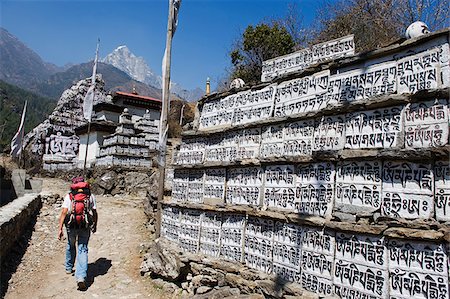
(12, 100)
(114, 78)
(19, 65)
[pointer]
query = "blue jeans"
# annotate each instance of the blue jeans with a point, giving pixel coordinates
(82, 235)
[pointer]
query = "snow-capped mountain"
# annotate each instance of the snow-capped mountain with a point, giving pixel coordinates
(134, 66)
(138, 69)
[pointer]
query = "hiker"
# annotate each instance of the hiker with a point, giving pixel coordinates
(79, 215)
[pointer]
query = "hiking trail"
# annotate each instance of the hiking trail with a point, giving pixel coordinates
(114, 253)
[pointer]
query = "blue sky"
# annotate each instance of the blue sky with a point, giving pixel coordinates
(63, 31)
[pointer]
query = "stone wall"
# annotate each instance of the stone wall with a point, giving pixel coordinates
(15, 218)
(335, 177)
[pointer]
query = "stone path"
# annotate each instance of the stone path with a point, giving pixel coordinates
(114, 254)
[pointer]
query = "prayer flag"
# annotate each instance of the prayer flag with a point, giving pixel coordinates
(16, 142)
(89, 97)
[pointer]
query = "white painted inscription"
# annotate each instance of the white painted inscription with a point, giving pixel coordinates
(329, 134)
(232, 237)
(407, 190)
(170, 223)
(302, 95)
(244, 186)
(359, 184)
(362, 249)
(189, 230)
(279, 187)
(214, 186)
(317, 260)
(59, 147)
(300, 60)
(363, 83)
(364, 280)
(192, 151)
(258, 246)
(210, 233)
(298, 138)
(418, 270)
(287, 251)
(180, 185)
(241, 108)
(379, 128)
(426, 124)
(195, 187)
(418, 72)
(314, 189)
(272, 141)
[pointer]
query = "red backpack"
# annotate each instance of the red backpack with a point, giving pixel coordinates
(80, 204)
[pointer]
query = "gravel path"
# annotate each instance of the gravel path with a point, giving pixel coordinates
(114, 254)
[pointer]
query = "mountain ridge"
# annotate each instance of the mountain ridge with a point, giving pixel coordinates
(138, 69)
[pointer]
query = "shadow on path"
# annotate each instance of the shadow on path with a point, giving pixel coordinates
(98, 268)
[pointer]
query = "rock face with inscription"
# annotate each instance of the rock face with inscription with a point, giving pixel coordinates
(54, 143)
(332, 176)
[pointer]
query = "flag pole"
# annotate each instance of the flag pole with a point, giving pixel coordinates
(88, 105)
(21, 144)
(164, 112)
(87, 146)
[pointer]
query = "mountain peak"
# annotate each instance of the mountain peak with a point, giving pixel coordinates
(136, 67)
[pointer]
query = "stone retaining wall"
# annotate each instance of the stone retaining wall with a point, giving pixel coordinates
(15, 218)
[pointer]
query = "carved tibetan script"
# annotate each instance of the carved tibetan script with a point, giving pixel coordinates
(210, 233)
(214, 186)
(237, 109)
(244, 186)
(426, 124)
(189, 230)
(407, 190)
(301, 95)
(314, 188)
(279, 187)
(170, 223)
(232, 237)
(358, 183)
(418, 270)
(287, 251)
(317, 260)
(300, 60)
(421, 71)
(258, 245)
(379, 128)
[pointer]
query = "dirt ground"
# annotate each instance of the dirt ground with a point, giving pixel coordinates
(114, 254)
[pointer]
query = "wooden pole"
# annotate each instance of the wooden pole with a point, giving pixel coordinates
(21, 148)
(87, 147)
(163, 121)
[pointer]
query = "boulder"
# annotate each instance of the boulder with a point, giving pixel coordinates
(137, 181)
(161, 261)
(107, 181)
